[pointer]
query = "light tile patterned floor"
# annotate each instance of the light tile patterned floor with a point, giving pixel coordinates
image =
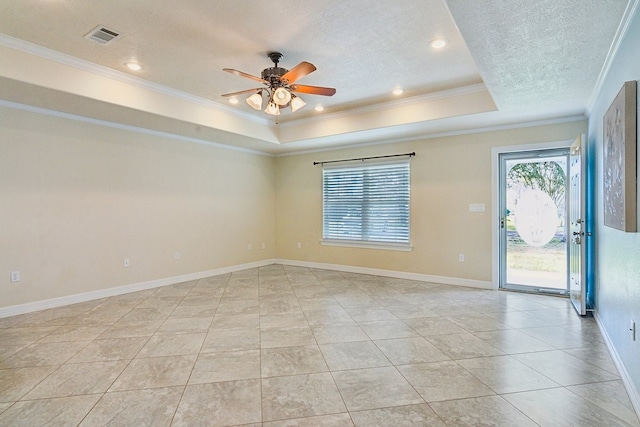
(292, 346)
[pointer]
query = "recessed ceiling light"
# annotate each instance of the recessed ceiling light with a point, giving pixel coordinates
(397, 91)
(319, 108)
(438, 43)
(133, 66)
(233, 100)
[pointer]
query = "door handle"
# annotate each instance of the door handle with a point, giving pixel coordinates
(577, 237)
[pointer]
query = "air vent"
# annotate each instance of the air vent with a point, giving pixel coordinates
(102, 35)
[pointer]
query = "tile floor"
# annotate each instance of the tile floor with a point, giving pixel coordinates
(292, 346)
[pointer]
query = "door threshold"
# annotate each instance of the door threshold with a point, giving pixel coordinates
(539, 291)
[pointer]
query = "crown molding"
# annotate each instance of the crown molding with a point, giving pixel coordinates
(130, 128)
(383, 106)
(623, 29)
(427, 136)
(81, 64)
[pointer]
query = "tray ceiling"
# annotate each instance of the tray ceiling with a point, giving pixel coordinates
(506, 62)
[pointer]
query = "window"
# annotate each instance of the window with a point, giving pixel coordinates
(367, 204)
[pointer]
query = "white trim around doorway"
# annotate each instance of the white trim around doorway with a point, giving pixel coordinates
(495, 153)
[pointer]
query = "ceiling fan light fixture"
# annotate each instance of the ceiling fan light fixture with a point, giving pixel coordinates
(281, 96)
(272, 108)
(255, 101)
(280, 84)
(296, 103)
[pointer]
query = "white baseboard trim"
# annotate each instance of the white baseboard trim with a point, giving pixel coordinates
(455, 281)
(632, 391)
(120, 290)
(151, 284)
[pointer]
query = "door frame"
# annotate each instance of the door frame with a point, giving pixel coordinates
(576, 217)
(535, 155)
(495, 200)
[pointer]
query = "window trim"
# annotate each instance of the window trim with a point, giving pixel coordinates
(397, 246)
(404, 247)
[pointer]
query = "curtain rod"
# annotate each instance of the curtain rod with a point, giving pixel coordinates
(365, 158)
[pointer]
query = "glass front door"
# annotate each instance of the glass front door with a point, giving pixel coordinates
(533, 223)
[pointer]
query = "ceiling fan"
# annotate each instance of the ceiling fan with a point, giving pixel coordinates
(280, 86)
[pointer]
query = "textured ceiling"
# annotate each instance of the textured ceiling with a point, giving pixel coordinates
(540, 54)
(507, 61)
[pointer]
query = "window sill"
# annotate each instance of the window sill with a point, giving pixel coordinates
(405, 247)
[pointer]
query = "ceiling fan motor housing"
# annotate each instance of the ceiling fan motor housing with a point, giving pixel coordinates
(273, 76)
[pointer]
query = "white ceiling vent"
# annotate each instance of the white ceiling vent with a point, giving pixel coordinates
(102, 35)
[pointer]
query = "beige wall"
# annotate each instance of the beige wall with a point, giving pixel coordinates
(447, 174)
(77, 198)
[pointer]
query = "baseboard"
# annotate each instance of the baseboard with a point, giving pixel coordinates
(135, 287)
(120, 290)
(455, 281)
(632, 391)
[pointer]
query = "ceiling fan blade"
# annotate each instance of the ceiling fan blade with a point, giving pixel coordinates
(299, 71)
(242, 92)
(242, 74)
(314, 90)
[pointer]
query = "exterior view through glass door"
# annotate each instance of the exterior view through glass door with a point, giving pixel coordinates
(533, 222)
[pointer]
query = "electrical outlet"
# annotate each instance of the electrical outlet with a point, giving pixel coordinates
(15, 276)
(249, 246)
(126, 263)
(461, 258)
(299, 245)
(264, 246)
(176, 255)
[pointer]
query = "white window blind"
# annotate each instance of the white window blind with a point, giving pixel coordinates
(366, 203)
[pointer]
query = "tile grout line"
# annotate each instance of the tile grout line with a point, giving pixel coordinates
(184, 389)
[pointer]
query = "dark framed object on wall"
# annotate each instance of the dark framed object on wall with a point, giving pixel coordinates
(619, 160)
